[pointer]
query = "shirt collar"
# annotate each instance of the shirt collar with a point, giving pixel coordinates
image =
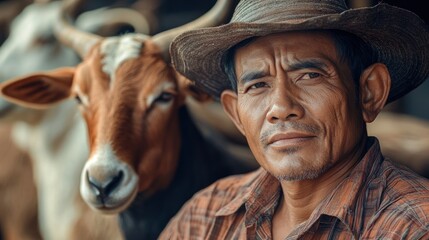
(260, 196)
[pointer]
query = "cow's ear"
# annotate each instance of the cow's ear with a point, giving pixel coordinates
(39, 90)
(189, 89)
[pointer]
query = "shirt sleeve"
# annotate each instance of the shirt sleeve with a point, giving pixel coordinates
(179, 225)
(197, 218)
(193, 220)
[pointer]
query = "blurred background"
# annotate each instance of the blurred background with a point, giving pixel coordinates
(403, 128)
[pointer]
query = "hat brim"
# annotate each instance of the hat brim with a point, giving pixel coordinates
(399, 38)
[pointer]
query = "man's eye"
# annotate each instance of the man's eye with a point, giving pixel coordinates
(258, 85)
(311, 75)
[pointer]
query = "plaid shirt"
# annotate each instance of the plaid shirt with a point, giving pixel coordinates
(378, 200)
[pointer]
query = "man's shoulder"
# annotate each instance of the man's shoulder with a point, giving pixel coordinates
(397, 203)
(208, 201)
(406, 217)
(228, 188)
(403, 183)
(200, 211)
(405, 201)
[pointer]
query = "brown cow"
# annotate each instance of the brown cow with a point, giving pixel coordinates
(142, 141)
(54, 138)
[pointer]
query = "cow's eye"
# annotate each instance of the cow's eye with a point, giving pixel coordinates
(165, 97)
(78, 99)
(44, 40)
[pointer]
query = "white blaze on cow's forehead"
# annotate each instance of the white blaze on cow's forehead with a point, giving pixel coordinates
(116, 50)
(157, 92)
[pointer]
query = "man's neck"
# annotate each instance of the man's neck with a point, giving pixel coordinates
(300, 198)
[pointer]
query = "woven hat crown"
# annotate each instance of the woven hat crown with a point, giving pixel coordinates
(270, 11)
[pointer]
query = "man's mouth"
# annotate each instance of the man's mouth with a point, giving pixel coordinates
(289, 139)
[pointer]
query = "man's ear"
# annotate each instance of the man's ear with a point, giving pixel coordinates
(374, 90)
(39, 90)
(229, 102)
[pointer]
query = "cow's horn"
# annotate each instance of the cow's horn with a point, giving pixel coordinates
(70, 36)
(217, 15)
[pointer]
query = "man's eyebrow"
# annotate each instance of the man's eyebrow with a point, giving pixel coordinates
(248, 76)
(298, 64)
(307, 63)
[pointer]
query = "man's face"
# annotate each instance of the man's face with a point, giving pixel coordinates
(297, 104)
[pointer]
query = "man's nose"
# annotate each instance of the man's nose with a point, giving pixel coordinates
(285, 105)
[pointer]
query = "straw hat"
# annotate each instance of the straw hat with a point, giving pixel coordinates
(399, 38)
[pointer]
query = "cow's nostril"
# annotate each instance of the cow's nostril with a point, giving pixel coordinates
(113, 183)
(103, 189)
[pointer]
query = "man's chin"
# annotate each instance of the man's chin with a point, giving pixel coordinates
(297, 177)
(302, 175)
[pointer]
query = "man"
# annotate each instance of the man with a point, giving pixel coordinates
(300, 79)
